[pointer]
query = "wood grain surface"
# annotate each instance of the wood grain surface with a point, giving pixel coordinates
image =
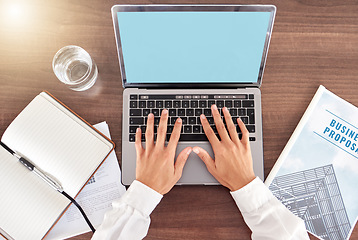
(313, 43)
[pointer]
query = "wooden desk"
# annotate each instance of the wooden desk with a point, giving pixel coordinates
(313, 43)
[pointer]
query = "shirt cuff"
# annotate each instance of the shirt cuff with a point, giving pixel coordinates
(141, 197)
(252, 196)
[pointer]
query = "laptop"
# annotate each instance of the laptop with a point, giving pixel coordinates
(185, 58)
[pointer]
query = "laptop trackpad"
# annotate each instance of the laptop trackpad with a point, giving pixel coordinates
(195, 170)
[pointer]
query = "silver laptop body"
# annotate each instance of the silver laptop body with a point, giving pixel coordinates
(191, 54)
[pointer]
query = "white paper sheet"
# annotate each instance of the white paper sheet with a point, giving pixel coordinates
(95, 198)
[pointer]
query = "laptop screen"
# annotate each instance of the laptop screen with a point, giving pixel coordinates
(193, 47)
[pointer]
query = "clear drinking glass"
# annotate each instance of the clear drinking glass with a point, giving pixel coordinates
(74, 67)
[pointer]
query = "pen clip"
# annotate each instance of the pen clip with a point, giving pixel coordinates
(27, 163)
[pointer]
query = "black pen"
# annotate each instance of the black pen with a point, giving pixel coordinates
(46, 177)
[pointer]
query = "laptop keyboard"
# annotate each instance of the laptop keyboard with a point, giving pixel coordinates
(189, 108)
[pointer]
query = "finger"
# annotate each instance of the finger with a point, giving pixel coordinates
(181, 160)
(209, 132)
(162, 128)
(219, 124)
(206, 158)
(174, 137)
(149, 132)
(138, 142)
(230, 126)
(245, 132)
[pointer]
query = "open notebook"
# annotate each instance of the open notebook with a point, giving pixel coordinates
(61, 144)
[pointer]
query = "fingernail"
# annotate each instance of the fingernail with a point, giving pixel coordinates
(151, 115)
(138, 130)
(202, 116)
(179, 120)
(225, 109)
(196, 150)
(165, 112)
(214, 107)
(189, 151)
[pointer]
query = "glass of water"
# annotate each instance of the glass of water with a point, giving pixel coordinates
(74, 67)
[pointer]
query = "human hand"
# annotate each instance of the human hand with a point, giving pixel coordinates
(155, 163)
(232, 166)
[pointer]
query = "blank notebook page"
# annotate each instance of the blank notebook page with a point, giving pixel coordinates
(28, 206)
(58, 142)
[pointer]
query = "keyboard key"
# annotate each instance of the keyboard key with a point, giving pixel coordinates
(156, 120)
(207, 112)
(248, 103)
(143, 128)
(241, 112)
(210, 120)
(228, 103)
(189, 112)
(184, 120)
(135, 112)
(194, 104)
(159, 104)
(198, 112)
(220, 103)
(173, 120)
(210, 103)
(133, 97)
(203, 104)
(196, 129)
(172, 112)
(132, 137)
(245, 120)
(177, 104)
(250, 128)
(251, 96)
(192, 120)
(188, 129)
(142, 104)
(251, 114)
(155, 112)
(252, 139)
(193, 137)
(185, 104)
(151, 104)
(168, 104)
(133, 104)
(237, 103)
(146, 112)
(136, 121)
(133, 129)
(233, 112)
(181, 112)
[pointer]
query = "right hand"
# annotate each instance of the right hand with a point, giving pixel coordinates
(232, 166)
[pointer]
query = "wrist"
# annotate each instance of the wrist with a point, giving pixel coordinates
(141, 197)
(242, 183)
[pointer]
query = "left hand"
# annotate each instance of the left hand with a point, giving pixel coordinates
(155, 163)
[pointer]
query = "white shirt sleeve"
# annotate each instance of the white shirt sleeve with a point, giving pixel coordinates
(129, 218)
(265, 215)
